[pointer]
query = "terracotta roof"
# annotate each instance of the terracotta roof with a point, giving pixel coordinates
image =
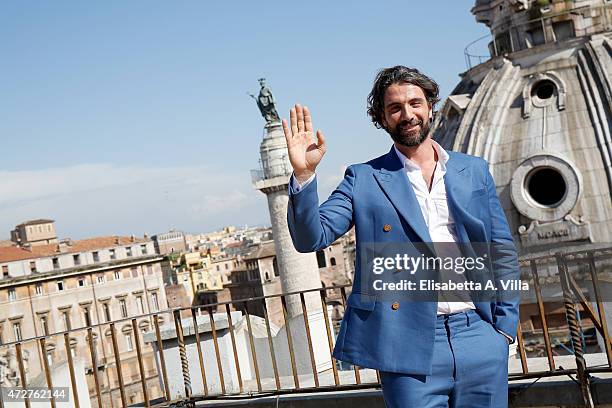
(263, 250)
(36, 222)
(234, 244)
(9, 254)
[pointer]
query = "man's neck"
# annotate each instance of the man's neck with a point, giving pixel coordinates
(423, 154)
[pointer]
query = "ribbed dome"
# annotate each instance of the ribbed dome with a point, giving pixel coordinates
(540, 115)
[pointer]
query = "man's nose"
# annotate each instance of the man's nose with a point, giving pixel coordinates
(407, 114)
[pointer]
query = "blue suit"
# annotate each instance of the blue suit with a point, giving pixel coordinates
(378, 194)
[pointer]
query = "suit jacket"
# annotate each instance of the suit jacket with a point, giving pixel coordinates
(378, 193)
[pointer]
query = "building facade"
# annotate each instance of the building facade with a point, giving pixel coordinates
(49, 290)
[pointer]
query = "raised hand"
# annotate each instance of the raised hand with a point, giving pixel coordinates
(304, 152)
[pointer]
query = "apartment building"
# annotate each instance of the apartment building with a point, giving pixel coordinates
(46, 290)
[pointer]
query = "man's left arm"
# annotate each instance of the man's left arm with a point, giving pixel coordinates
(505, 264)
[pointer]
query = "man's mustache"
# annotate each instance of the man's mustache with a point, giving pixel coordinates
(411, 122)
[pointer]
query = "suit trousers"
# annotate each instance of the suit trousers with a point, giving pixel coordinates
(469, 368)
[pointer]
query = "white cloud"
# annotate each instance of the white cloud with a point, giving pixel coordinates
(98, 199)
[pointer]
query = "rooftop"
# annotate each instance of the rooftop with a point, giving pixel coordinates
(15, 253)
(35, 222)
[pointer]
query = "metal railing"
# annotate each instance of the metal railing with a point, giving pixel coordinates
(473, 58)
(274, 344)
(268, 172)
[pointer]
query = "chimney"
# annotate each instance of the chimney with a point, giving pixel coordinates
(132, 238)
(116, 240)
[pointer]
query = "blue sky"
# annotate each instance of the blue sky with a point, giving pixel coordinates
(131, 117)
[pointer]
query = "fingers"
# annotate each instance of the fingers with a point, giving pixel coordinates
(307, 119)
(293, 117)
(288, 135)
(300, 117)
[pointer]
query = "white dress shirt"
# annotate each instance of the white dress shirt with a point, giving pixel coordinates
(438, 218)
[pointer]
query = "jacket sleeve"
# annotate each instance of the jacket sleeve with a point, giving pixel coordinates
(313, 227)
(505, 263)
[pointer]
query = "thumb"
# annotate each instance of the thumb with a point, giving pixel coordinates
(321, 142)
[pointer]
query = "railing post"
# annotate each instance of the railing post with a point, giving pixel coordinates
(182, 353)
(570, 313)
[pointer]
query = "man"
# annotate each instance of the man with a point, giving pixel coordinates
(430, 354)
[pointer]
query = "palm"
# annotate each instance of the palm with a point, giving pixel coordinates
(305, 153)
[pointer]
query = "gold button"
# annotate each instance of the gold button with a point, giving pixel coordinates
(386, 228)
(395, 305)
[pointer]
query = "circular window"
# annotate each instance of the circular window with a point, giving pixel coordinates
(546, 186)
(544, 89)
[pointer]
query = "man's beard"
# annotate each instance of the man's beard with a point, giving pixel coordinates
(409, 139)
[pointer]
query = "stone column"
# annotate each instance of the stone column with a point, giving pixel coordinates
(297, 271)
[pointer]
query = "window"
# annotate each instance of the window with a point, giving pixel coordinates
(44, 326)
(117, 275)
(66, 320)
(17, 331)
(218, 268)
(143, 249)
(149, 269)
(106, 311)
(96, 256)
(332, 261)
(86, 316)
(82, 282)
(134, 272)
(5, 272)
(123, 307)
(140, 304)
(33, 266)
(155, 301)
(39, 289)
(226, 267)
(60, 285)
(76, 259)
(128, 251)
(129, 344)
(100, 278)
(56, 264)
(112, 254)
(11, 294)
(321, 259)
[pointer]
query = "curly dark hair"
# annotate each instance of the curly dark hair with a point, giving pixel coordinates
(398, 74)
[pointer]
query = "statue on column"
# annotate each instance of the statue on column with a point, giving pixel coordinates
(266, 103)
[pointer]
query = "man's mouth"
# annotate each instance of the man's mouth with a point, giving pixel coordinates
(410, 126)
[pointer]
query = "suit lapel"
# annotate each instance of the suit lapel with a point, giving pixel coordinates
(394, 181)
(459, 188)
